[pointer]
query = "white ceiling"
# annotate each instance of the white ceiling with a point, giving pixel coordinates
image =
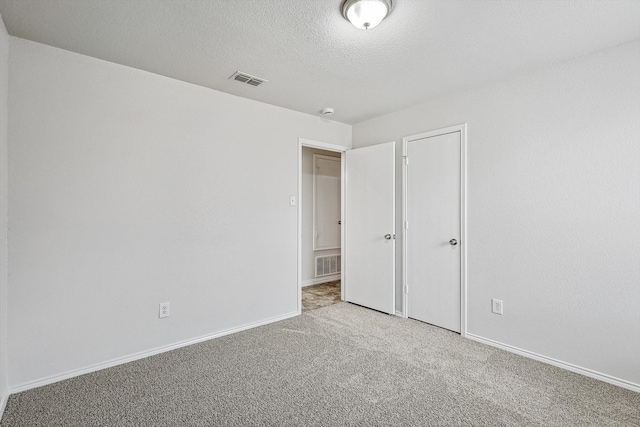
(313, 58)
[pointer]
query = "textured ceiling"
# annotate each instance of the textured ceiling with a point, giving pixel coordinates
(313, 58)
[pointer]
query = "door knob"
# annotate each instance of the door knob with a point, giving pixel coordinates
(387, 236)
(453, 242)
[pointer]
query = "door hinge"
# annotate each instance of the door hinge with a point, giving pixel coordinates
(406, 289)
(406, 225)
(405, 159)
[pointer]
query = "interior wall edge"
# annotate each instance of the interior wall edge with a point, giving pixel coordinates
(4, 198)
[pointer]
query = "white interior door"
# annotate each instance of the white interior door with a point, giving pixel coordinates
(433, 235)
(370, 227)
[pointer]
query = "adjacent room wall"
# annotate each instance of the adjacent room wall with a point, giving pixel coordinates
(4, 87)
(553, 202)
(128, 189)
(308, 254)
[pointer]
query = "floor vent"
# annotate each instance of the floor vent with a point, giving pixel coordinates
(247, 78)
(326, 265)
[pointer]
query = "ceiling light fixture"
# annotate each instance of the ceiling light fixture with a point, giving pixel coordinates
(366, 14)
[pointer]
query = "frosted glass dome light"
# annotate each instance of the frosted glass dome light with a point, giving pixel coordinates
(366, 14)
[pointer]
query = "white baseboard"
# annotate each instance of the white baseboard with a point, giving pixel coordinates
(120, 360)
(559, 363)
(323, 279)
(3, 405)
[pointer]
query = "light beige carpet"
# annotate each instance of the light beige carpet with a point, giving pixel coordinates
(341, 365)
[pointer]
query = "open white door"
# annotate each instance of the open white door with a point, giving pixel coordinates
(369, 227)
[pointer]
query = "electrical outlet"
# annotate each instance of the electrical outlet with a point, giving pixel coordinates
(164, 310)
(496, 306)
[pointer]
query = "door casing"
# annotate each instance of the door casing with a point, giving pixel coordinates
(406, 293)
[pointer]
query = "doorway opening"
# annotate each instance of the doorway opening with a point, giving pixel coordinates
(320, 237)
(321, 228)
(367, 238)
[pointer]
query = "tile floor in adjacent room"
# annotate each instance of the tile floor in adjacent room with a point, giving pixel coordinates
(321, 295)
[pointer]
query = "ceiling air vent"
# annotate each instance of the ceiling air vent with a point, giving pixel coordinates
(247, 78)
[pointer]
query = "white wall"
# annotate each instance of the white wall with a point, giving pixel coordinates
(308, 254)
(553, 203)
(128, 189)
(4, 87)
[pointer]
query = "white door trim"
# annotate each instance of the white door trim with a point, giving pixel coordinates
(303, 142)
(462, 128)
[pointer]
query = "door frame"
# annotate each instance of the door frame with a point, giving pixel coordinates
(309, 143)
(462, 128)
